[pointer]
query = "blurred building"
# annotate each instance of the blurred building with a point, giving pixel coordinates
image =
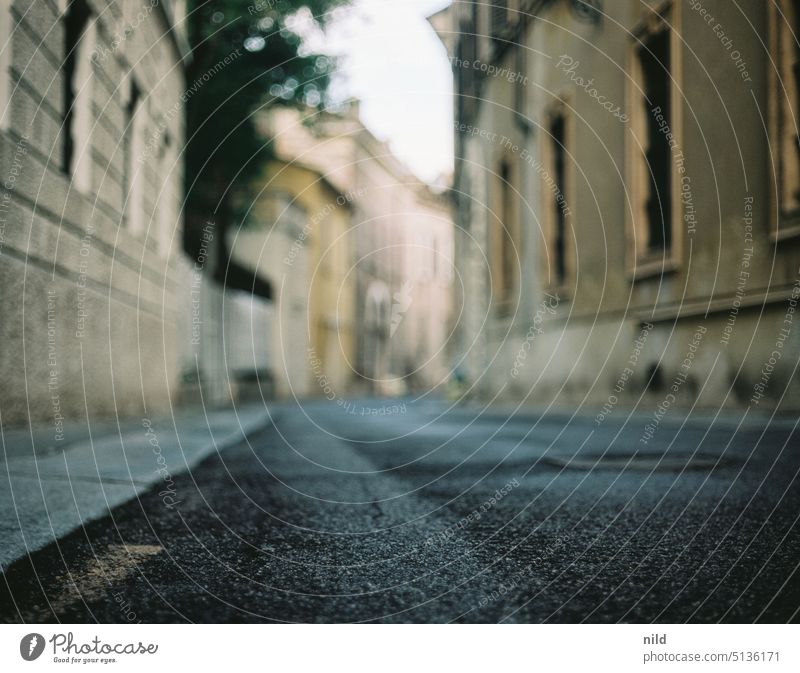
(421, 315)
(90, 140)
(404, 261)
(297, 237)
(360, 257)
(627, 198)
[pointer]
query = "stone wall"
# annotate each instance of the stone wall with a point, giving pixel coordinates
(89, 265)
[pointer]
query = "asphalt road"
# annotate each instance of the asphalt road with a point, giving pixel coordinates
(425, 514)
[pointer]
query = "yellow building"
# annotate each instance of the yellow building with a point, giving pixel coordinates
(359, 257)
(297, 237)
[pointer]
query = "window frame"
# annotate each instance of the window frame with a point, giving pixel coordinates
(561, 107)
(82, 121)
(498, 18)
(166, 220)
(133, 146)
(640, 262)
(784, 224)
(6, 44)
(505, 230)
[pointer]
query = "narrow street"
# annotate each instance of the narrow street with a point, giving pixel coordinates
(410, 511)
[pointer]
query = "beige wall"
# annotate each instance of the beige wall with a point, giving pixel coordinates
(586, 341)
(423, 328)
(298, 239)
(89, 305)
(400, 226)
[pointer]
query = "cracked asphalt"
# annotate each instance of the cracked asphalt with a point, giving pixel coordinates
(433, 514)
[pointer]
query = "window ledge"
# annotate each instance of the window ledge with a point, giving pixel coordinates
(789, 227)
(503, 309)
(650, 268)
(564, 293)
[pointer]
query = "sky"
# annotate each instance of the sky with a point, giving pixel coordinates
(392, 60)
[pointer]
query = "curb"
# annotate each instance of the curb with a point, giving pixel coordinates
(45, 497)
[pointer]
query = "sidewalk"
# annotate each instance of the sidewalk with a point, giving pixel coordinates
(49, 490)
(674, 417)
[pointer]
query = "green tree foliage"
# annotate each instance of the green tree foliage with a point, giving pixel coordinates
(244, 57)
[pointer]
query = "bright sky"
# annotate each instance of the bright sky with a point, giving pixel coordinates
(395, 64)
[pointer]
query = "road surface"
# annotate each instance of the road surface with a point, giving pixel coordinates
(375, 510)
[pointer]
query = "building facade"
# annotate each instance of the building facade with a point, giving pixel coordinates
(91, 185)
(626, 200)
(359, 254)
(404, 259)
(297, 237)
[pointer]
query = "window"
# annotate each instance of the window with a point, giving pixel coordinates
(465, 74)
(435, 272)
(653, 58)
(476, 25)
(521, 115)
(498, 17)
(784, 122)
(291, 218)
(165, 209)
(505, 235)
(133, 148)
(654, 146)
(79, 42)
(5, 60)
(556, 189)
